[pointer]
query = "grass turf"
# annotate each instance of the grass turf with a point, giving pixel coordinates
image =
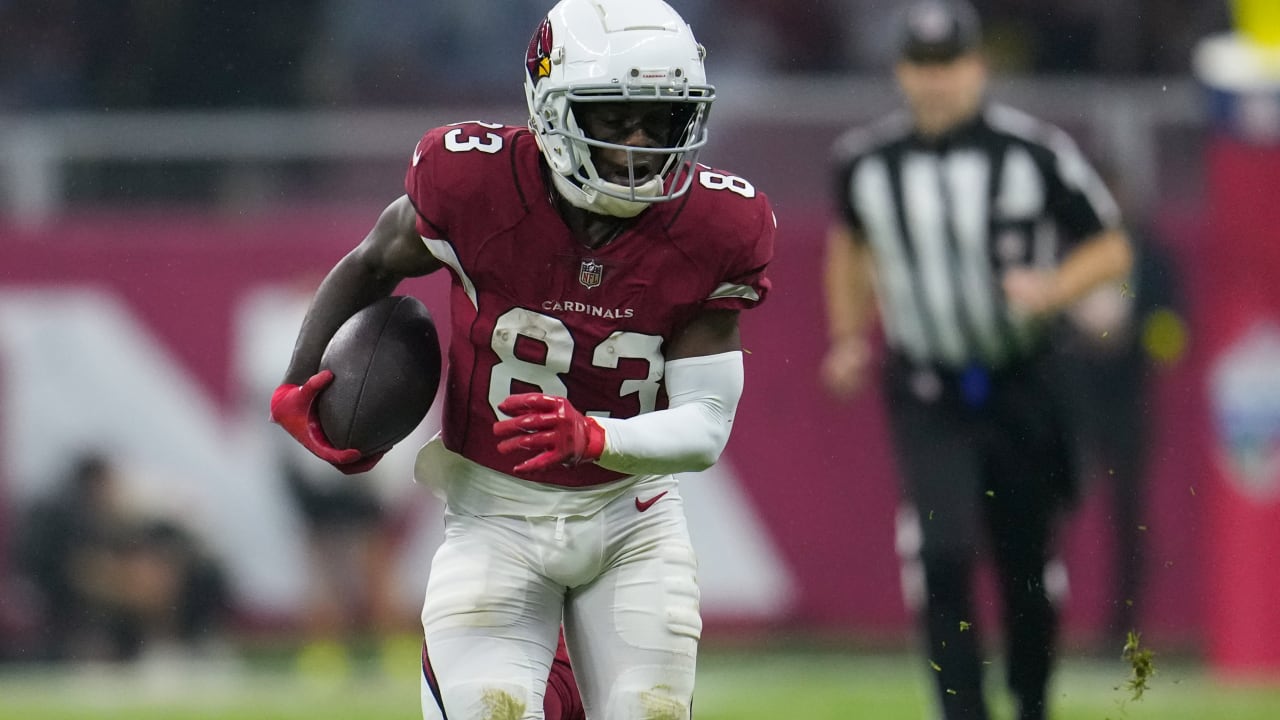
(736, 685)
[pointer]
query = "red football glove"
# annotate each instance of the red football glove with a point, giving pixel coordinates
(551, 427)
(293, 407)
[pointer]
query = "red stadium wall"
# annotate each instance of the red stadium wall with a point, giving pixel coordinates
(1241, 308)
(817, 472)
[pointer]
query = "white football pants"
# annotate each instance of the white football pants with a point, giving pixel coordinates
(622, 578)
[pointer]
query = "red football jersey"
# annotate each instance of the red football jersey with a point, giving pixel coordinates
(535, 310)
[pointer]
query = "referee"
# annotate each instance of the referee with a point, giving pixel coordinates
(969, 224)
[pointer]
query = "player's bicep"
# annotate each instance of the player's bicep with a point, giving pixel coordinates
(709, 333)
(393, 247)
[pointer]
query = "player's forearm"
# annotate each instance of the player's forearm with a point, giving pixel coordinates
(391, 252)
(691, 433)
(350, 286)
(1105, 257)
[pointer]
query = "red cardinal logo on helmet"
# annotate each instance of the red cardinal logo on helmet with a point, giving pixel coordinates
(538, 60)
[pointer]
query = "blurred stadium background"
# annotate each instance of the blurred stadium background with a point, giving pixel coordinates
(174, 176)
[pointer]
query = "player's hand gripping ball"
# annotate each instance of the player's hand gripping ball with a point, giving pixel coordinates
(293, 407)
(377, 380)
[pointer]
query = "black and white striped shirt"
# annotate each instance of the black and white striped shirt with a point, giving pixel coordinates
(946, 216)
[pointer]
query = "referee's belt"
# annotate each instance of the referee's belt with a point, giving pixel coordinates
(972, 384)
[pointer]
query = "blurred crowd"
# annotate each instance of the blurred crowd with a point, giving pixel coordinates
(123, 54)
(95, 578)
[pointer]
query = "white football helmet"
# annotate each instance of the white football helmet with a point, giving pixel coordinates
(615, 51)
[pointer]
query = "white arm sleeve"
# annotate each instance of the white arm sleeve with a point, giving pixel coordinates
(689, 435)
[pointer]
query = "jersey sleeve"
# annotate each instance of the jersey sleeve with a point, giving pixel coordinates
(743, 281)
(461, 177)
(1077, 198)
(420, 184)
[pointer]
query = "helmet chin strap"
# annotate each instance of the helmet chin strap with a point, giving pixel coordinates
(597, 202)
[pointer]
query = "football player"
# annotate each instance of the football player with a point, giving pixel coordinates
(598, 272)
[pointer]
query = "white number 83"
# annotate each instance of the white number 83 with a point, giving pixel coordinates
(555, 336)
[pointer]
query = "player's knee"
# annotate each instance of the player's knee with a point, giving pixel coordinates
(655, 702)
(643, 694)
(488, 699)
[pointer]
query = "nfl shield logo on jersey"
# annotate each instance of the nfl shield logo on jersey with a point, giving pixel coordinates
(590, 273)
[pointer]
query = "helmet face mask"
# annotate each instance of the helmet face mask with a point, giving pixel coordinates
(588, 53)
(672, 161)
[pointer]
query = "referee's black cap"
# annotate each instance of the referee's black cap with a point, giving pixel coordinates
(939, 31)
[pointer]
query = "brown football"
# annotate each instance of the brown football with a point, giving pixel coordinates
(386, 369)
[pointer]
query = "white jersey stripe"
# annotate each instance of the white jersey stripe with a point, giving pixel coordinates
(926, 226)
(872, 195)
(1021, 195)
(968, 176)
(443, 251)
(734, 290)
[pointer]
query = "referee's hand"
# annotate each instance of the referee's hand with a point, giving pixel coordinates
(844, 369)
(1030, 291)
